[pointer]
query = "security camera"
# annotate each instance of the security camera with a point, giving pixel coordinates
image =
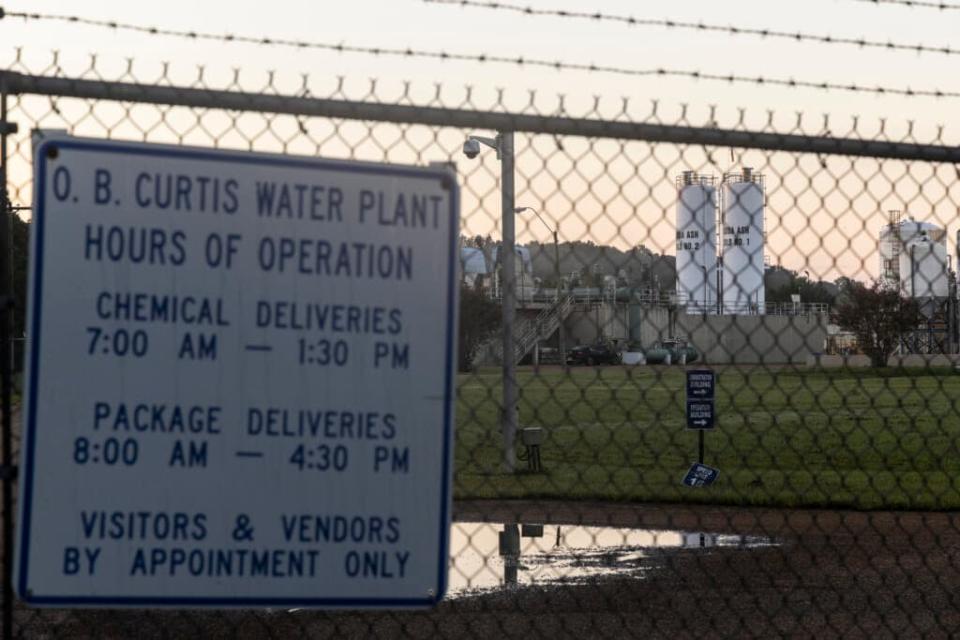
(471, 148)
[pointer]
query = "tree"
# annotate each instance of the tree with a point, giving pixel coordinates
(782, 283)
(878, 315)
(479, 319)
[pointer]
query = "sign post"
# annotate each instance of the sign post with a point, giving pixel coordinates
(240, 383)
(701, 416)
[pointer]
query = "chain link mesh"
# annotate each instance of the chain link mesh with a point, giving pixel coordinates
(833, 514)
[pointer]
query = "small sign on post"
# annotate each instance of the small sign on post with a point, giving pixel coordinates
(700, 475)
(701, 417)
(700, 384)
(700, 399)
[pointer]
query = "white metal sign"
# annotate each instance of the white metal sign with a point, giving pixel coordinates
(239, 389)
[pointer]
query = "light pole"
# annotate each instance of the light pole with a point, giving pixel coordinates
(555, 230)
(503, 144)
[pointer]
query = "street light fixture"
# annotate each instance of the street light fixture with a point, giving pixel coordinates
(555, 230)
(503, 144)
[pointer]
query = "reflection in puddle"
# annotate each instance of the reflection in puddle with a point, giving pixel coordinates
(485, 555)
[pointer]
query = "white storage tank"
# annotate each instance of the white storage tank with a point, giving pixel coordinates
(697, 241)
(523, 271)
(895, 236)
(743, 208)
(923, 269)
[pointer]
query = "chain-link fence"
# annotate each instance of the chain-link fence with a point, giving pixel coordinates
(811, 275)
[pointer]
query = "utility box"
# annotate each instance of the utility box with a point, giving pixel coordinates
(532, 436)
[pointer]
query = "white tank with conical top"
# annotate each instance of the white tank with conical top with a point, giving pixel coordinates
(895, 236)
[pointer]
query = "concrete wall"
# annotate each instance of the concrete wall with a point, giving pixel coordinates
(587, 324)
(908, 360)
(650, 324)
(733, 339)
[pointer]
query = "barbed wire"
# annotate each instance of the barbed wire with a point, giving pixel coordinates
(483, 58)
(914, 4)
(793, 36)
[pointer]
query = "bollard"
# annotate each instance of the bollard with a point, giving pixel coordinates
(510, 552)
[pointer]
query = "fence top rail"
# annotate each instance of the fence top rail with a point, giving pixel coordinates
(19, 83)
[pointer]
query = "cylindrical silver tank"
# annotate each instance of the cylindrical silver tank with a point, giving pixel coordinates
(696, 241)
(743, 202)
(894, 238)
(923, 269)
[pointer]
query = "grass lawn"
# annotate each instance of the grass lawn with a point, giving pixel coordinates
(789, 437)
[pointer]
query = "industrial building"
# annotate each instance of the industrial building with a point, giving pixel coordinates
(719, 304)
(720, 298)
(914, 260)
(730, 283)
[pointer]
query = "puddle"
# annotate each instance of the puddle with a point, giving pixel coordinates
(483, 555)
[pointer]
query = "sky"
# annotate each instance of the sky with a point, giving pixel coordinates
(849, 227)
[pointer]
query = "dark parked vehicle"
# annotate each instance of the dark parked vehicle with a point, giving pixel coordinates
(592, 354)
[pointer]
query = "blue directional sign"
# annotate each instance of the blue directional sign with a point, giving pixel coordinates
(700, 384)
(700, 394)
(700, 475)
(700, 415)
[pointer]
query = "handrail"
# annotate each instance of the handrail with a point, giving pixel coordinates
(654, 297)
(529, 331)
(544, 322)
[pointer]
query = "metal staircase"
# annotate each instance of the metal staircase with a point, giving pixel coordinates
(528, 332)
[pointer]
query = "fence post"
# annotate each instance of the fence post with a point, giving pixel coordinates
(7, 472)
(509, 426)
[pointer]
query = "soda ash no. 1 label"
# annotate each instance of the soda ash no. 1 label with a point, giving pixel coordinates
(240, 380)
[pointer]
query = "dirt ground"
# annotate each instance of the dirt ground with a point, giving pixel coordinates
(834, 575)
